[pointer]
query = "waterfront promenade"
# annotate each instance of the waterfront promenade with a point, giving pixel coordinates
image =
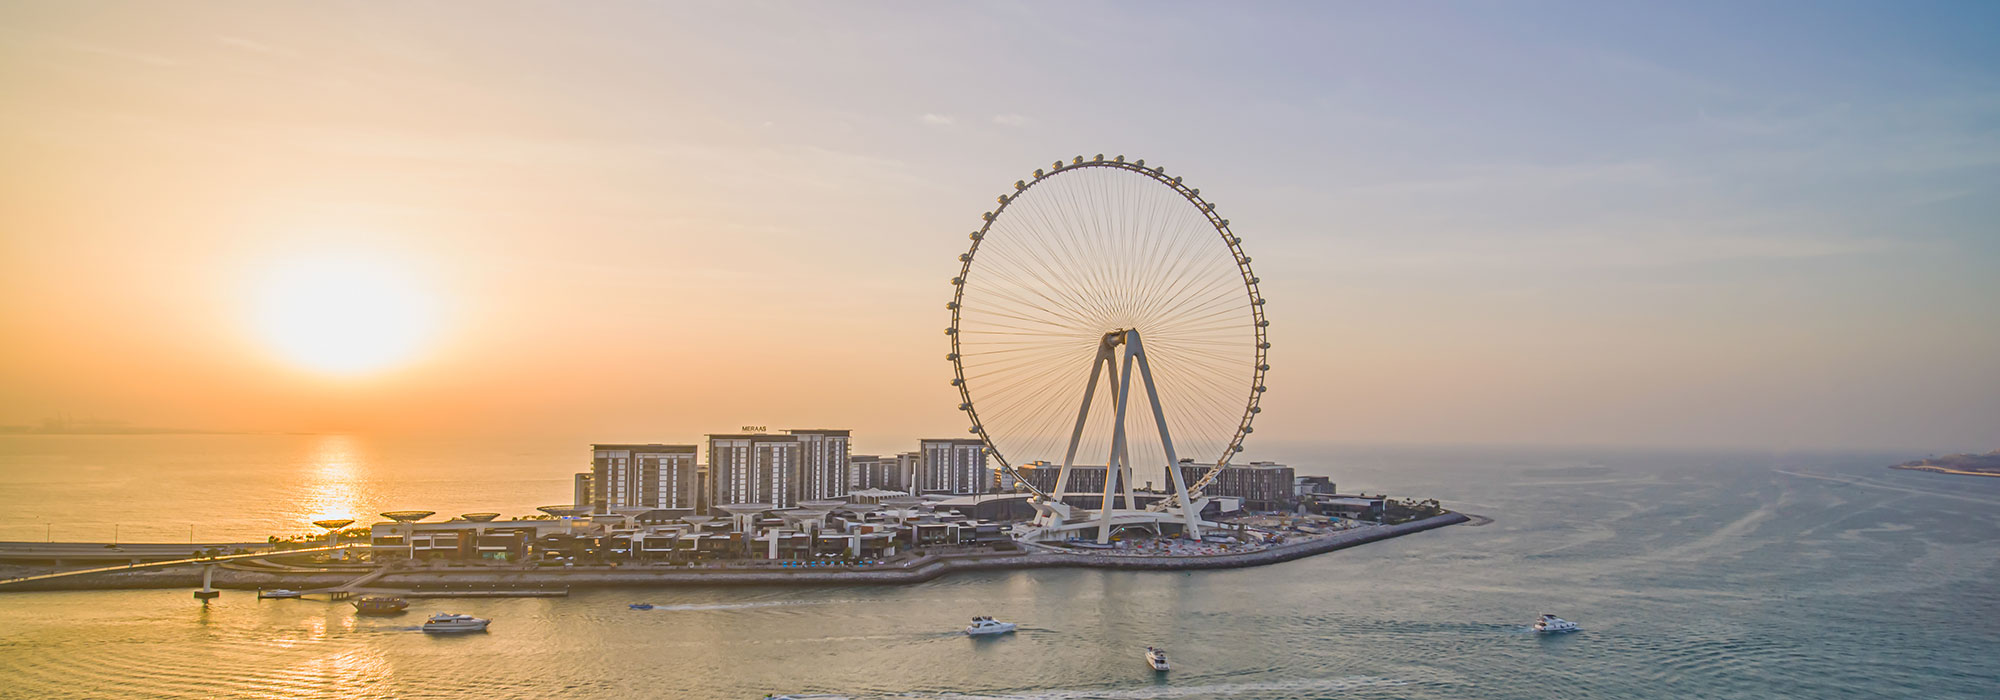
(911, 570)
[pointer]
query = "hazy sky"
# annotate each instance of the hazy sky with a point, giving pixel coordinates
(1756, 224)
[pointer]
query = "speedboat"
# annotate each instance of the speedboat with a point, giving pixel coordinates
(1156, 658)
(278, 593)
(641, 606)
(1550, 624)
(454, 622)
(380, 605)
(986, 625)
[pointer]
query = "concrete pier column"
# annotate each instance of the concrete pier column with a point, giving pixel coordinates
(207, 591)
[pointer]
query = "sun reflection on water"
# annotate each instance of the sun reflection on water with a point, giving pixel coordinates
(332, 481)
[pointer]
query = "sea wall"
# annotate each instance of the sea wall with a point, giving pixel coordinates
(916, 570)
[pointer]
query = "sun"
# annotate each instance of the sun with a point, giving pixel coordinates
(342, 315)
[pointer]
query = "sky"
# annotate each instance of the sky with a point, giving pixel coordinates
(1687, 224)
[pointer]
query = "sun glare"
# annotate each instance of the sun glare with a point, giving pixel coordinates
(342, 316)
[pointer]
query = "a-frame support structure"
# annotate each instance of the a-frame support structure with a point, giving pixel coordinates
(1118, 469)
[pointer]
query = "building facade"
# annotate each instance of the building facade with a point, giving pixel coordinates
(910, 472)
(1264, 486)
(585, 492)
(824, 472)
(754, 468)
(642, 476)
(955, 466)
(874, 472)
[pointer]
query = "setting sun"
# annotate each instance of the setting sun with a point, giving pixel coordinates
(344, 316)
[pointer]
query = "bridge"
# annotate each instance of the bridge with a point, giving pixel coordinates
(207, 563)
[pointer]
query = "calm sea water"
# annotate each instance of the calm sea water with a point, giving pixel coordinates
(1694, 575)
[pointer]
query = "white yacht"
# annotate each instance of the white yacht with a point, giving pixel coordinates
(1156, 658)
(454, 622)
(1550, 624)
(986, 625)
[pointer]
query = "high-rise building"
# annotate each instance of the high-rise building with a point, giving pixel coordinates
(753, 468)
(910, 472)
(875, 472)
(955, 466)
(585, 492)
(823, 468)
(642, 476)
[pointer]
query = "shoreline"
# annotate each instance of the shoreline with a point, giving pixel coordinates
(1944, 470)
(919, 570)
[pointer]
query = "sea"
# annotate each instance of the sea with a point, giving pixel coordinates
(1695, 574)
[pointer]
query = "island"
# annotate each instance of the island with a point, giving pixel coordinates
(1967, 464)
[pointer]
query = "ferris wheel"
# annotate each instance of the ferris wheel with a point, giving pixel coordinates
(1105, 316)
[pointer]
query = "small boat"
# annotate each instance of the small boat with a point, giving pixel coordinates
(278, 593)
(380, 605)
(454, 622)
(1550, 624)
(1156, 658)
(641, 606)
(986, 625)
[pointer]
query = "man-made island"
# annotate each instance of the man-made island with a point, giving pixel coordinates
(572, 552)
(1967, 464)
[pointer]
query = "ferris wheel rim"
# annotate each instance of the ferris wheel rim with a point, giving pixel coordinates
(1252, 287)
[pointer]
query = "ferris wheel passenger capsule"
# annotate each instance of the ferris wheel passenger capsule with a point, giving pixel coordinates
(1021, 185)
(951, 331)
(1077, 160)
(1120, 159)
(1099, 158)
(957, 281)
(1038, 173)
(1140, 162)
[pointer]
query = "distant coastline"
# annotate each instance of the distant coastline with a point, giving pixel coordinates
(1964, 464)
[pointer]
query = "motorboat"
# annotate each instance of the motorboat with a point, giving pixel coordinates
(380, 605)
(986, 625)
(641, 606)
(278, 593)
(1156, 658)
(1550, 624)
(454, 622)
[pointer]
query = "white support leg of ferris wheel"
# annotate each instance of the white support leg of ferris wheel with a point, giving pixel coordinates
(1189, 511)
(1116, 469)
(1105, 356)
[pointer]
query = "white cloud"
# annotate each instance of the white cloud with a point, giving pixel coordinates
(1010, 120)
(937, 120)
